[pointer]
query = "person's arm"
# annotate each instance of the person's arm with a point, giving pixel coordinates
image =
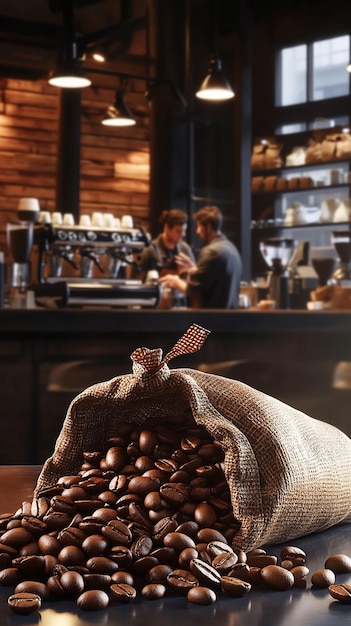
(173, 281)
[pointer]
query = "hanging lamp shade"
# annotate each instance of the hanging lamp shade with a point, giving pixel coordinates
(119, 114)
(215, 87)
(68, 73)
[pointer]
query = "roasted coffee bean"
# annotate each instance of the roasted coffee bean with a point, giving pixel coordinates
(71, 555)
(94, 545)
(54, 586)
(32, 586)
(29, 566)
(224, 562)
(72, 582)
(261, 560)
(4, 549)
(153, 591)
(180, 476)
(205, 515)
(115, 458)
(143, 565)
(144, 463)
(338, 563)
(5, 561)
(122, 577)
(175, 493)
(91, 525)
(55, 520)
(206, 535)
(108, 498)
(63, 504)
(187, 555)
(142, 485)
(34, 525)
(147, 441)
(234, 586)
(71, 536)
(123, 592)
(166, 465)
(142, 546)
(182, 580)
(105, 514)
(294, 554)
(16, 537)
(49, 545)
(158, 573)
(138, 514)
(118, 483)
(323, 578)
(117, 533)
(277, 577)
(214, 548)
(342, 593)
(97, 581)
(201, 595)
(93, 600)
(205, 573)
(9, 576)
(24, 603)
(163, 527)
(101, 565)
(178, 541)
(120, 555)
(165, 556)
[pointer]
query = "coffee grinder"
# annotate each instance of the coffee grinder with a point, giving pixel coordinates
(278, 253)
(19, 243)
(341, 241)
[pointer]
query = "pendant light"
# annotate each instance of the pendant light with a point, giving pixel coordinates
(215, 87)
(119, 114)
(68, 73)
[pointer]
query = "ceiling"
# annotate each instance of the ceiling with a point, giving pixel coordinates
(30, 32)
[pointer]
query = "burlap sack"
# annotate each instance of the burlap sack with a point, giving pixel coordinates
(289, 474)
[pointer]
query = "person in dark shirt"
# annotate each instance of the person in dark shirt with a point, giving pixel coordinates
(163, 250)
(214, 281)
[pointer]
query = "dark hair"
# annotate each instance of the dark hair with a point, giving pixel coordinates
(173, 217)
(210, 215)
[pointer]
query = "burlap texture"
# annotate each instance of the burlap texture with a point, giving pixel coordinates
(289, 474)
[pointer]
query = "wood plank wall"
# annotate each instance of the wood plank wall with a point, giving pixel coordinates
(114, 162)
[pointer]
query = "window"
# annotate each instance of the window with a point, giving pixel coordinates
(315, 71)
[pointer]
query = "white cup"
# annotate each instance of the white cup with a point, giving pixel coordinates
(44, 217)
(85, 220)
(127, 221)
(56, 218)
(108, 220)
(68, 219)
(152, 277)
(97, 219)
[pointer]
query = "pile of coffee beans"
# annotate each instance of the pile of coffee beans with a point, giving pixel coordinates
(149, 515)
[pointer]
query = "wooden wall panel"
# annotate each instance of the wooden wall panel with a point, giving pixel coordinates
(114, 162)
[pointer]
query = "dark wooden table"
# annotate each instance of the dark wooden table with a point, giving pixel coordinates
(259, 608)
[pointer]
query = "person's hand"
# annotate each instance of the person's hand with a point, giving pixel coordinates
(173, 281)
(184, 263)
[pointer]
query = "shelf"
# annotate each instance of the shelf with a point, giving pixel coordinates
(294, 168)
(280, 192)
(269, 226)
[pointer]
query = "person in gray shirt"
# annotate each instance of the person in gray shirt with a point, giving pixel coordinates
(214, 281)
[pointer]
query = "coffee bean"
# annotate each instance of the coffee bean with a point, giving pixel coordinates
(182, 580)
(16, 537)
(175, 493)
(234, 586)
(224, 562)
(72, 582)
(261, 560)
(201, 595)
(342, 593)
(117, 532)
(294, 554)
(96, 581)
(34, 587)
(93, 600)
(153, 591)
(277, 577)
(24, 603)
(338, 563)
(205, 573)
(323, 578)
(123, 592)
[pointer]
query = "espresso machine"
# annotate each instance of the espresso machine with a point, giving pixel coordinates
(88, 266)
(278, 253)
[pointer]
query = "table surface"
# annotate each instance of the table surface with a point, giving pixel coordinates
(296, 607)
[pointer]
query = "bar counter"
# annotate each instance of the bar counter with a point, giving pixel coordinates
(260, 607)
(49, 356)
